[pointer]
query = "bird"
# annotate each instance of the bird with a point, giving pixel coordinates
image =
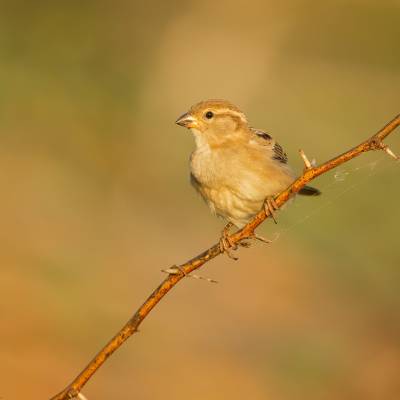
(236, 168)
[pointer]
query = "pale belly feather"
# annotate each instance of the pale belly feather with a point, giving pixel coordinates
(235, 187)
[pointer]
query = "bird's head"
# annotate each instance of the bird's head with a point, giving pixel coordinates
(213, 121)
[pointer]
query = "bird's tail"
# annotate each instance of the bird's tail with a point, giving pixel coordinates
(309, 191)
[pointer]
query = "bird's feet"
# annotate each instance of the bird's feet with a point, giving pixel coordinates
(225, 243)
(270, 207)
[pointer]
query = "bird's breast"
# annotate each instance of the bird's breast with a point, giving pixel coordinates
(234, 182)
(205, 166)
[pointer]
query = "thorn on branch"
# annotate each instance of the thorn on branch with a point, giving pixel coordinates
(387, 150)
(176, 270)
(307, 163)
(377, 144)
(202, 278)
(255, 236)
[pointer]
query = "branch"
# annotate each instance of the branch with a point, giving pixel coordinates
(373, 143)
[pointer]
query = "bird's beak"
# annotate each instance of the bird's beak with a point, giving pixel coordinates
(187, 121)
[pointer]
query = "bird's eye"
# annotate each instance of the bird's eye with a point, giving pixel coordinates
(209, 114)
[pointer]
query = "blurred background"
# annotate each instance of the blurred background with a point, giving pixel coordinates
(96, 199)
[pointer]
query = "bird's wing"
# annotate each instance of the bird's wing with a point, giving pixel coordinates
(264, 139)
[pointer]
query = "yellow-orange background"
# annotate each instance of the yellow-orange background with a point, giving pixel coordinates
(95, 199)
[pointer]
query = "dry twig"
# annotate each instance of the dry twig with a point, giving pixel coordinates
(373, 143)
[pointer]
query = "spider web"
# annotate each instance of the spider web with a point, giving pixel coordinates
(342, 182)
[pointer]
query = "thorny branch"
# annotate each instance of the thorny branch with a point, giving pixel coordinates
(176, 274)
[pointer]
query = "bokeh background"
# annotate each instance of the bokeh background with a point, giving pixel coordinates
(95, 199)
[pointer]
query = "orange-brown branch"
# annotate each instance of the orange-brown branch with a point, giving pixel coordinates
(373, 143)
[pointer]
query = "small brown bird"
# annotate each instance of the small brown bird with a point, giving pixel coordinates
(237, 169)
